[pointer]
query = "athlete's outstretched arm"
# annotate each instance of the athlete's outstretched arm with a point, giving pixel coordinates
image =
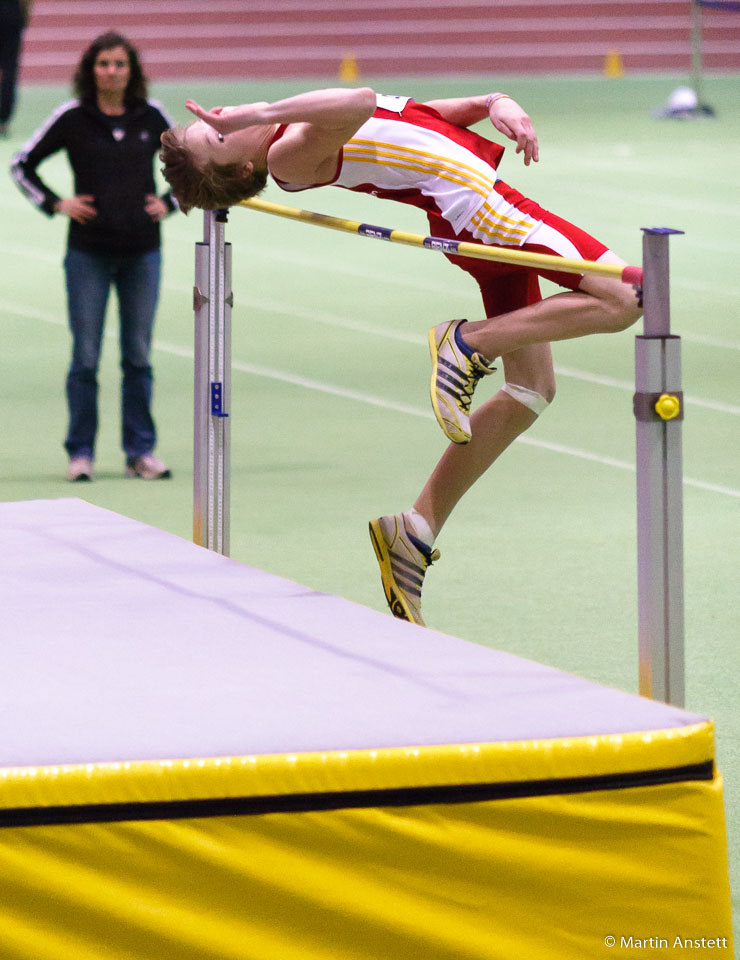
(331, 109)
(504, 113)
(319, 123)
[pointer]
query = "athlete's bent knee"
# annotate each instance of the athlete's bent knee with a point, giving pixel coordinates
(623, 309)
(624, 317)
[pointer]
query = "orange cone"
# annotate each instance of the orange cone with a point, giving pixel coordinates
(613, 66)
(348, 69)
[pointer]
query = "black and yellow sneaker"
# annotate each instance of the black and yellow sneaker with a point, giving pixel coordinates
(403, 560)
(456, 370)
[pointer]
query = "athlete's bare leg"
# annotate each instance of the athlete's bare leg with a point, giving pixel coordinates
(522, 339)
(600, 305)
(495, 425)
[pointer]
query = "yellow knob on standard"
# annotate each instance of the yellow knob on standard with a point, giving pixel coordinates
(667, 406)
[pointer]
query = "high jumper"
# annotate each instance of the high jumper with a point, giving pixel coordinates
(424, 154)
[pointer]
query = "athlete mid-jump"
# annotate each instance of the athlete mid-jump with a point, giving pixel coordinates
(424, 155)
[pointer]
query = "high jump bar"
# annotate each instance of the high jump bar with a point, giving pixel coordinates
(479, 251)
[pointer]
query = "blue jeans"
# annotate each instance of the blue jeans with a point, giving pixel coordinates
(89, 278)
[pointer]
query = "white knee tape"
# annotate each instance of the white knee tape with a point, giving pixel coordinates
(530, 398)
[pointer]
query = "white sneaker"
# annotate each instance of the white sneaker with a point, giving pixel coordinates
(148, 467)
(79, 469)
(455, 375)
(403, 560)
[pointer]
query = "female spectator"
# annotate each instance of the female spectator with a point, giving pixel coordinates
(111, 135)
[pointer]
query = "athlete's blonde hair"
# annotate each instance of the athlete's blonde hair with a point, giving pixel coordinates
(212, 187)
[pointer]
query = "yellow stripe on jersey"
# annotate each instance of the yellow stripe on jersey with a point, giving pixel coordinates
(527, 223)
(492, 230)
(376, 158)
(498, 226)
(433, 166)
(493, 236)
(433, 157)
(494, 224)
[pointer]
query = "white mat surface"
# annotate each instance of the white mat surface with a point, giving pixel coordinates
(120, 641)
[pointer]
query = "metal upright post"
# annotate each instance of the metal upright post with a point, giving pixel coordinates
(658, 406)
(212, 302)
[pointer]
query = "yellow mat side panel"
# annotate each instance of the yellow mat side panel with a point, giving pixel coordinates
(547, 877)
(264, 775)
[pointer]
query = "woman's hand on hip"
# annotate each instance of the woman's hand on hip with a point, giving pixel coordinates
(155, 207)
(79, 208)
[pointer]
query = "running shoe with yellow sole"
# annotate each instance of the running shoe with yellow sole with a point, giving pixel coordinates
(456, 370)
(403, 560)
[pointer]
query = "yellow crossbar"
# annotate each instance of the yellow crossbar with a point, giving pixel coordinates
(480, 251)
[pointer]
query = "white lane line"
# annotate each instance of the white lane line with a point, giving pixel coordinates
(358, 326)
(706, 286)
(689, 399)
(29, 253)
(720, 343)
(368, 399)
(356, 395)
(648, 200)
(709, 341)
(187, 353)
(386, 277)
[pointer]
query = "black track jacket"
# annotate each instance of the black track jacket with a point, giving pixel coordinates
(112, 159)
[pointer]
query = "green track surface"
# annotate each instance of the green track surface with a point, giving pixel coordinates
(331, 423)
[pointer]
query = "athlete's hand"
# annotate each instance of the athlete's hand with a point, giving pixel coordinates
(508, 118)
(225, 119)
(79, 208)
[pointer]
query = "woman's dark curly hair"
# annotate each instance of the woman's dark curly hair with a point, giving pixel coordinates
(213, 187)
(83, 82)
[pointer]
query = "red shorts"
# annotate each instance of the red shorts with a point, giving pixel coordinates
(505, 287)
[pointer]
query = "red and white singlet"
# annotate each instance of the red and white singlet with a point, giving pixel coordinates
(409, 153)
